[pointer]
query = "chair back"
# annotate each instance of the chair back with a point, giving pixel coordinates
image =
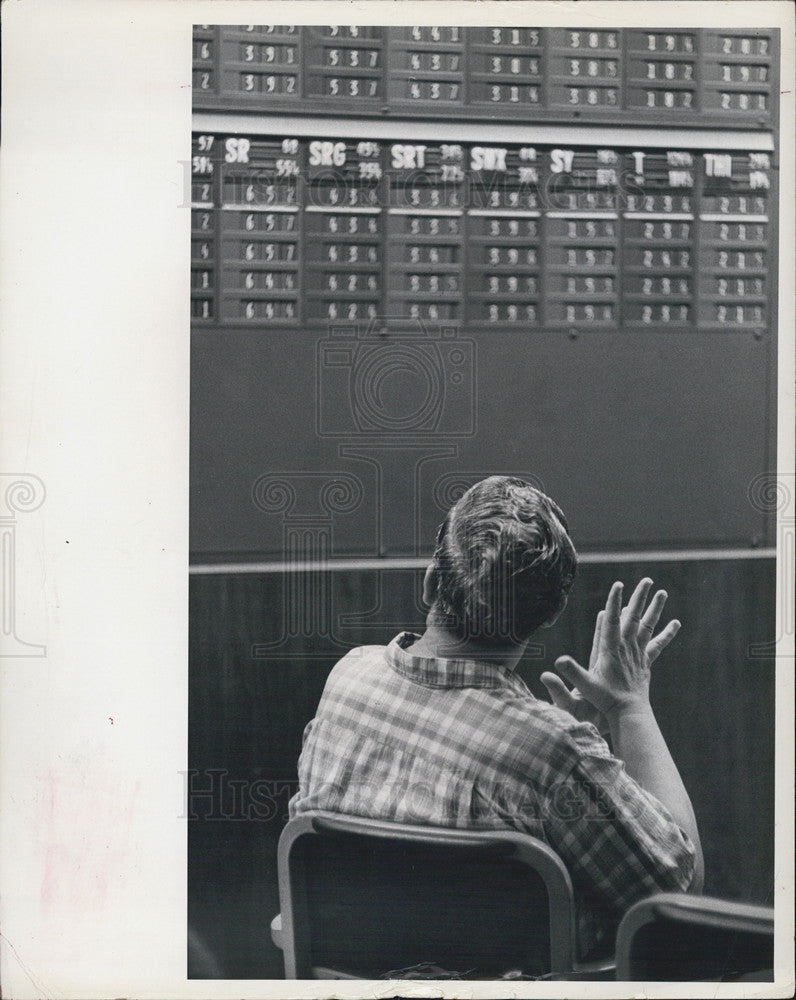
(675, 937)
(362, 898)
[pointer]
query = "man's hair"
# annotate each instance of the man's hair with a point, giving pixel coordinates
(504, 562)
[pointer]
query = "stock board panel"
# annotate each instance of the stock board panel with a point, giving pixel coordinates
(423, 253)
(674, 77)
(300, 232)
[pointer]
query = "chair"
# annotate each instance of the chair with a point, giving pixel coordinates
(675, 937)
(360, 898)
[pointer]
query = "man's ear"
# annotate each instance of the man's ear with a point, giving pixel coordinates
(554, 617)
(430, 585)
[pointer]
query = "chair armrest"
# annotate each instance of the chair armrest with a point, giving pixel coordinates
(479, 841)
(276, 932)
(601, 969)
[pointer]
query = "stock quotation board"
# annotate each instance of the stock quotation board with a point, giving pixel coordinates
(590, 215)
(305, 231)
(298, 230)
(676, 76)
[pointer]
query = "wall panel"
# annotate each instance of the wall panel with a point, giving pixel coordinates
(248, 706)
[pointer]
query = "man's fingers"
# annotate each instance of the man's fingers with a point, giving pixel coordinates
(662, 640)
(557, 689)
(631, 616)
(575, 674)
(651, 616)
(595, 646)
(613, 608)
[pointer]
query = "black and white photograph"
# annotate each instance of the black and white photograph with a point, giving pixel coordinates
(398, 554)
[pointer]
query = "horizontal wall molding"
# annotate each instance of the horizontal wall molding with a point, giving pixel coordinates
(420, 562)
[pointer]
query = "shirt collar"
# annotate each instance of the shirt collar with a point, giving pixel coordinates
(443, 673)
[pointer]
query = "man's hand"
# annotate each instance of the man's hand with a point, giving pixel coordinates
(622, 654)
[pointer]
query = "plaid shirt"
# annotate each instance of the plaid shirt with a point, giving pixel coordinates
(459, 743)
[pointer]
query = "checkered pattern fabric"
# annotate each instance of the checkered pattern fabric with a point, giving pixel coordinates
(459, 743)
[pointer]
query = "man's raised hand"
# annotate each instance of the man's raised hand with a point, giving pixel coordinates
(623, 651)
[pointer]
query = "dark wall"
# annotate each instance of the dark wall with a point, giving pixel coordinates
(259, 661)
(662, 422)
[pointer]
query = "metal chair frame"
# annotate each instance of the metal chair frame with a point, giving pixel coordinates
(700, 912)
(291, 929)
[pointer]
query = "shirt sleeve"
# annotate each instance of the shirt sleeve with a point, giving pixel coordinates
(613, 836)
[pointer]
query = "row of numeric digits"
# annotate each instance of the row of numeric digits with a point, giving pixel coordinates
(676, 71)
